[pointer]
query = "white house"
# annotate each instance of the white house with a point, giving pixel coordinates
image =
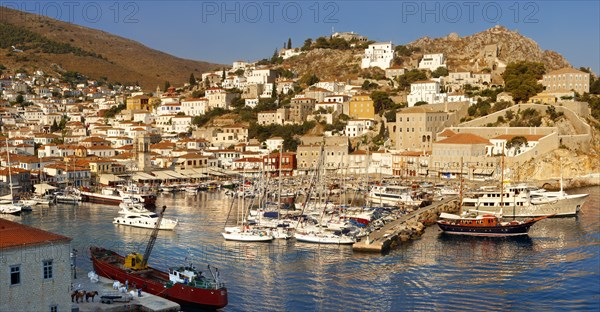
(260, 76)
(194, 106)
(426, 91)
(379, 55)
(251, 102)
(432, 61)
(357, 127)
(181, 123)
(499, 144)
(287, 53)
(169, 109)
(274, 143)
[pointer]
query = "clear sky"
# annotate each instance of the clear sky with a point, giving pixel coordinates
(224, 31)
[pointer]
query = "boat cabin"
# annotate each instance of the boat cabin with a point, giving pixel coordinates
(183, 275)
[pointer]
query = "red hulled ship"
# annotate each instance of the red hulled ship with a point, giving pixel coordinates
(184, 285)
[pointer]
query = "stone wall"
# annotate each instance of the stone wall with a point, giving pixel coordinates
(34, 293)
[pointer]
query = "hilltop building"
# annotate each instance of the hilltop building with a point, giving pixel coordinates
(378, 54)
(432, 61)
(566, 79)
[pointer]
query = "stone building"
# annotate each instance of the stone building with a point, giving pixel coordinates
(35, 269)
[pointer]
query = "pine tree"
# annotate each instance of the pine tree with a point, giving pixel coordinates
(54, 126)
(289, 45)
(192, 79)
(223, 75)
(167, 85)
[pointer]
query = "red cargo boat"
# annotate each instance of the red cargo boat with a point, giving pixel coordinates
(184, 285)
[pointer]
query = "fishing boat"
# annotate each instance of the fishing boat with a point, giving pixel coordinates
(484, 223)
(182, 284)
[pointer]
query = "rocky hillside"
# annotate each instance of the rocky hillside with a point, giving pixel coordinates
(470, 52)
(53, 45)
(492, 48)
(327, 64)
(572, 164)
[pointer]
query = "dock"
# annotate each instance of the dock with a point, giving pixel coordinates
(386, 237)
(147, 302)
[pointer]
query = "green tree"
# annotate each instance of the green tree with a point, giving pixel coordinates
(309, 79)
(521, 79)
(595, 85)
(289, 44)
(381, 101)
(419, 103)
(167, 85)
(517, 142)
(54, 126)
(439, 72)
(405, 80)
(20, 99)
(192, 79)
(307, 45)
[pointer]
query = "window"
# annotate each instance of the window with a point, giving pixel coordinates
(47, 265)
(53, 308)
(15, 275)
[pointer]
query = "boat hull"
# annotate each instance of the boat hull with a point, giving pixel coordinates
(158, 285)
(560, 207)
(307, 238)
(100, 198)
(508, 230)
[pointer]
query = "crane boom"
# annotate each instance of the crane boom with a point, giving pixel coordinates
(153, 237)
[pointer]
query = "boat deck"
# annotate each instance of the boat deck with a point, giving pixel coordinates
(147, 302)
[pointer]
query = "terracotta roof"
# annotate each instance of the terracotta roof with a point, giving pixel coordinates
(464, 138)
(447, 133)
(14, 234)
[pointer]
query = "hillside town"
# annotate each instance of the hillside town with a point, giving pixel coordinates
(434, 154)
(87, 133)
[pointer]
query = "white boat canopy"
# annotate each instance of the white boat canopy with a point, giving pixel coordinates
(42, 188)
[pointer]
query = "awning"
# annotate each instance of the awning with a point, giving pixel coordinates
(42, 188)
(162, 175)
(107, 178)
(175, 175)
(143, 176)
(192, 173)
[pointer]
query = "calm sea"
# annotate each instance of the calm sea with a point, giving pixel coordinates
(556, 268)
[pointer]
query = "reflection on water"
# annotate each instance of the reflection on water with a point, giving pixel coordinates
(556, 267)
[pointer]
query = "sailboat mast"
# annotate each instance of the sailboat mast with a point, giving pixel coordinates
(279, 185)
(12, 198)
(460, 193)
(502, 182)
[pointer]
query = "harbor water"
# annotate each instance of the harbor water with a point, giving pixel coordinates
(557, 267)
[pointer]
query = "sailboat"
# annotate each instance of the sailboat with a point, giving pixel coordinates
(243, 232)
(11, 207)
(316, 234)
(69, 196)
